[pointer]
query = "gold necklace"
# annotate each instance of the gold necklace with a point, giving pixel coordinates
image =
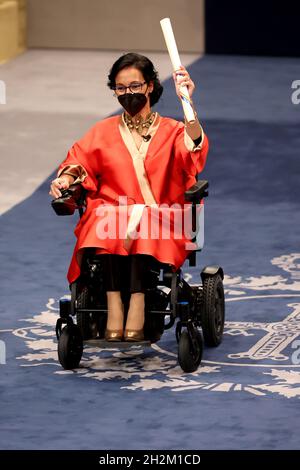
(139, 124)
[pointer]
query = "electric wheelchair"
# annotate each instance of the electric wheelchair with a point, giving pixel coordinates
(197, 310)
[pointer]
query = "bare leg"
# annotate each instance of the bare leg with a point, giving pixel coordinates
(136, 312)
(115, 316)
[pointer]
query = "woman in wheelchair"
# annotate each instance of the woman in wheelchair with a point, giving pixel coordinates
(137, 160)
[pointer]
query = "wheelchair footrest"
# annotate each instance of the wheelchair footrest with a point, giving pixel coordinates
(103, 344)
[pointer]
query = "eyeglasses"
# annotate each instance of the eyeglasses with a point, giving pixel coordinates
(135, 87)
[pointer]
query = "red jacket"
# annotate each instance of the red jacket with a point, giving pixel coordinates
(170, 169)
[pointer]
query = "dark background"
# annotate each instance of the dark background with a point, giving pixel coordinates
(256, 27)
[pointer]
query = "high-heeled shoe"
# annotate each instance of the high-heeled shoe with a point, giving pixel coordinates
(134, 335)
(113, 335)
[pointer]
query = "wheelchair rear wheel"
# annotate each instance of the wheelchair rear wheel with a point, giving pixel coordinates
(90, 324)
(155, 323)
(190, 351)
(213, 312)
(154, 327)
(70, 347)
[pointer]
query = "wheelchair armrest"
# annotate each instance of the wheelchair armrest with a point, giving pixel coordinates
(197, 191)
(71, 199)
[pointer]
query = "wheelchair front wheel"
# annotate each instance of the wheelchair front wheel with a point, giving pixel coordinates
(70, 347)
(190, 351)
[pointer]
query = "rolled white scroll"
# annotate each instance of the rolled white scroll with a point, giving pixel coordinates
(176, 63)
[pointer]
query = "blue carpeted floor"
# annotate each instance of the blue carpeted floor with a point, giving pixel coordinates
(246, 394)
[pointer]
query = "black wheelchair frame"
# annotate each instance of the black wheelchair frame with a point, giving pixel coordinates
(198, 309)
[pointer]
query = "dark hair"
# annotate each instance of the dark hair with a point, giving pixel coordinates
(144, 65)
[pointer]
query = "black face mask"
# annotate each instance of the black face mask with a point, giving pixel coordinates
(133, 103)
